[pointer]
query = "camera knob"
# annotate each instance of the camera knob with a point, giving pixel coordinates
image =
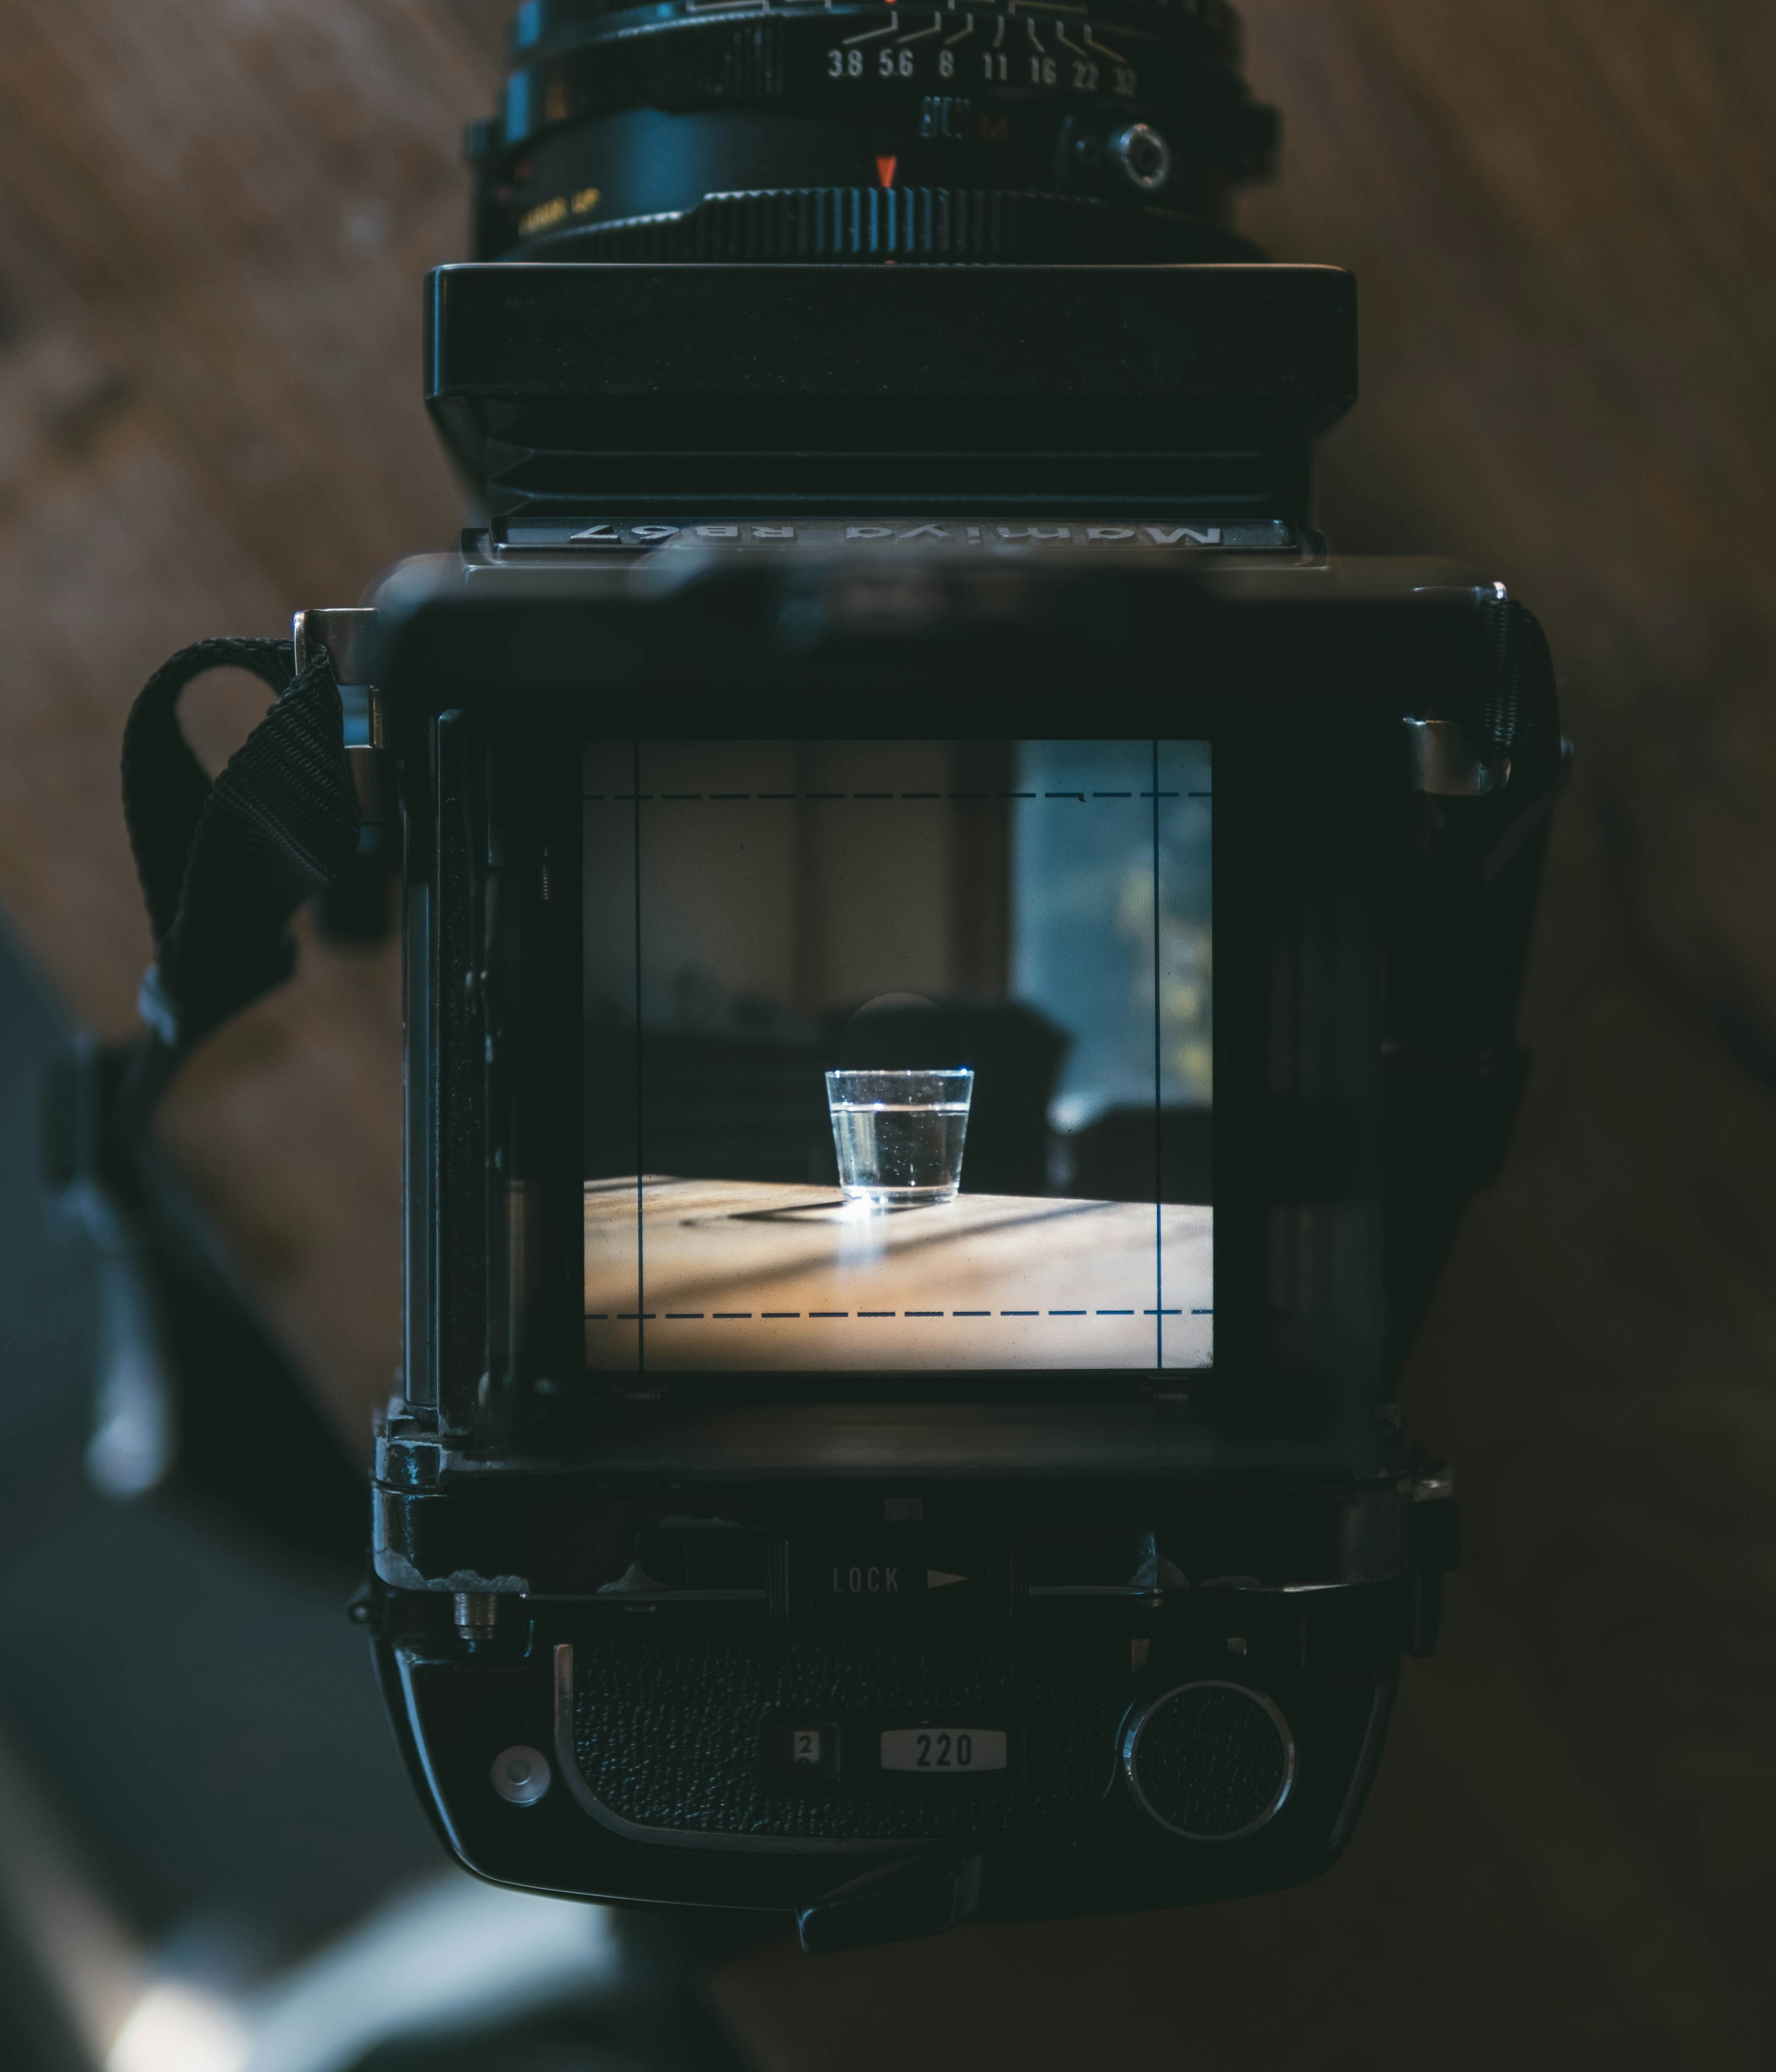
(1211, 1761)
(1142, 156)
(520, 1775)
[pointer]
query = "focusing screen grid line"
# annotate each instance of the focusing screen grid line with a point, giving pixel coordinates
(1159, 1247)
(641, 1163)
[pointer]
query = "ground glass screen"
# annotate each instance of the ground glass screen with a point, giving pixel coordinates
(897, 1055)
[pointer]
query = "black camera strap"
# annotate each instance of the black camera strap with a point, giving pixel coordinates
(224, 863)
(182, 1355)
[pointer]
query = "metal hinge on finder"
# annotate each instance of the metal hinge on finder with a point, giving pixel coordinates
(346, 634)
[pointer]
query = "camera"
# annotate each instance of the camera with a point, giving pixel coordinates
(960, 967)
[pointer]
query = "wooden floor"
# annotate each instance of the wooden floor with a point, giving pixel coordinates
(1563, 214)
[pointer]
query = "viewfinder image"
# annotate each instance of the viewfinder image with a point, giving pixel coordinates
(897, 1055)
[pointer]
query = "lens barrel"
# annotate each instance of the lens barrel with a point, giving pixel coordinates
(981, 131)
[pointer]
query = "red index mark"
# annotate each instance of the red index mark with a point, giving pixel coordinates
(885, 170)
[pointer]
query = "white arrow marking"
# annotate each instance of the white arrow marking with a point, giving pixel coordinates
(935, 1579)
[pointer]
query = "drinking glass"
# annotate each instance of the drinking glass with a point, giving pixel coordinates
(898, 1135)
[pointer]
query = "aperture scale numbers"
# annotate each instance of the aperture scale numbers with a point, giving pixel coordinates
(776, 55)
(985, 52)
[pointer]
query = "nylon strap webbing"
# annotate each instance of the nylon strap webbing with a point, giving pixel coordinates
(224, 864)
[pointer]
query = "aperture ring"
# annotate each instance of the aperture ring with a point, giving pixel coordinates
(840, 60)
(543, 27)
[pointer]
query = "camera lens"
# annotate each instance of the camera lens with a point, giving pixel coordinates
(790, 129)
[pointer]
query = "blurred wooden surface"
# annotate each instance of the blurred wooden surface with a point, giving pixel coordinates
(984, 1279)
(212, 220)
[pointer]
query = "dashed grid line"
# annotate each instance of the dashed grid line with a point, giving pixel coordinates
(829, 1316)
(829, 798)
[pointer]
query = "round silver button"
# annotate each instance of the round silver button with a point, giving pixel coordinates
(1142, 156)
(1211, 1761)
(520, 1775)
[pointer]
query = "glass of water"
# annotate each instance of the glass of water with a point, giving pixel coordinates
(898, 1135)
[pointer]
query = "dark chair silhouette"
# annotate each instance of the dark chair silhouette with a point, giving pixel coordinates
(1128, 1151)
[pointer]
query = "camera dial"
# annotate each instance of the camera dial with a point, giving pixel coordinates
(792, 131)
(1209, 1761)
(1142, 156)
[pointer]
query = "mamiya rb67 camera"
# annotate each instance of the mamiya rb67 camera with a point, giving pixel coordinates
(960, 967)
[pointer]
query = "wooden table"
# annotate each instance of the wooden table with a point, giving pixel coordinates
(740, 1274)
